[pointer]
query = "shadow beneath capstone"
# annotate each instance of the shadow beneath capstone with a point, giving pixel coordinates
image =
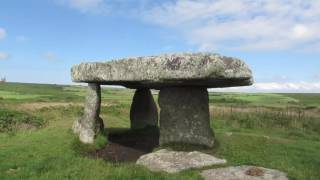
(125, 145)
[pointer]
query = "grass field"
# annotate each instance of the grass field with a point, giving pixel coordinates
(280, 131)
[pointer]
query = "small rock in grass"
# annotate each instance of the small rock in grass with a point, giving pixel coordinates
(243, 172)
(12, 170)
(176, 161)
(267, 137)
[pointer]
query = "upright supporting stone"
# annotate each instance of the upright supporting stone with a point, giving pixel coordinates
(184, 116)
(90, 123)
(143, 111)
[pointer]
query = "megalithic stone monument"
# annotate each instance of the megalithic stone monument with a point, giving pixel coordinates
(182, 79)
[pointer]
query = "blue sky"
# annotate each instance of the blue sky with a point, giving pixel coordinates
(280, 39)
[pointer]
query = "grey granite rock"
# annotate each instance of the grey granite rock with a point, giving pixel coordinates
(184, 116)
(143, 110)
(243, 173)
(185, 69)
(176, 161)
(90, 123)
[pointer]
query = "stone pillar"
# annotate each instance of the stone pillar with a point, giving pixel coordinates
(184, 116)
(143, 110)
(90, 124)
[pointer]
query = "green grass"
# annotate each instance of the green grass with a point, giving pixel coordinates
(299, 158)
(270, 119)
(49, 154)
(311, 101)
(26, 93)
(17, 96)
(306, 99)
(53, 152)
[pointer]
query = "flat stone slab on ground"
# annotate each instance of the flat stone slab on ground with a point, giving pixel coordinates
(243, 173)
(184, 69)
(176, 161)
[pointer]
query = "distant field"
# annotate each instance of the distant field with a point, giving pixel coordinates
(267, 99)
(21, 92)
(280, 131)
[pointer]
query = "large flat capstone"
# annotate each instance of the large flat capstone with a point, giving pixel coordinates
(185, 69)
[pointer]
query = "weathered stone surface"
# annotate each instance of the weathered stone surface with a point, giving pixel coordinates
(243, 172)
(184, 116)
(175, 161)
(185, 69)
(143, 110)
(90, 123)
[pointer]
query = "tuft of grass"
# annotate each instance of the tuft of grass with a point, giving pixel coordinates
(12, 120)
(271, 119)
(81, 148)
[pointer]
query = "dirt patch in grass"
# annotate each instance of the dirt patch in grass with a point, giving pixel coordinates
(127, 146)
(255, 171)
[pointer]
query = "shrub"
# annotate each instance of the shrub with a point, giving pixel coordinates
(12, 120)
(268, 118)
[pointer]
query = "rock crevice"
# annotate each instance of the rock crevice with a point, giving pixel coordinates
(143, 112)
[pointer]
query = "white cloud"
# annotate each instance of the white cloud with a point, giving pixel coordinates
(314, 47)
(316, 77)
(242, 24)
(4, 56)
(311, 87)
(85, 6)
(224, 24)
(301, 32)
(125, 8)
(280, 78)
(21, 39)
(2, 33)
(49, 56)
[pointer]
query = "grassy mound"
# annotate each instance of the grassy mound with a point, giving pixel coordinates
(79, 147)
(12, 120)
